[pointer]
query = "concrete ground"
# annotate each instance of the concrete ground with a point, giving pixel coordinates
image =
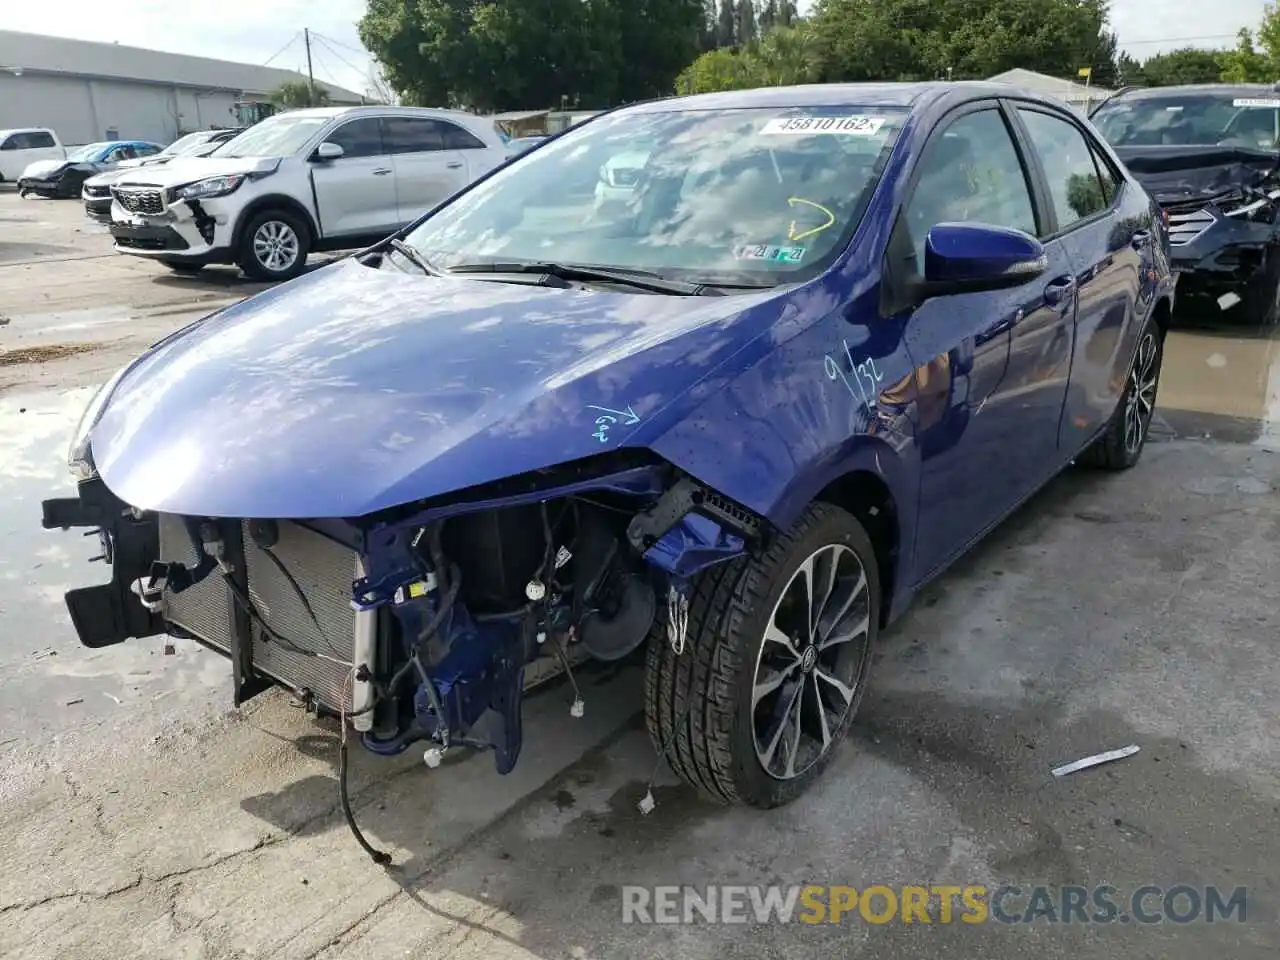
(141, 817)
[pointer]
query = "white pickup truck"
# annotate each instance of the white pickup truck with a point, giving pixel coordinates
(22, 147)
(307, 180)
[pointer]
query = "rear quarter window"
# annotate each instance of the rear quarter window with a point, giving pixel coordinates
(455, 138)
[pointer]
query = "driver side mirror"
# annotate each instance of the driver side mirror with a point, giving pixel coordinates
(327, 151)
(975, 257)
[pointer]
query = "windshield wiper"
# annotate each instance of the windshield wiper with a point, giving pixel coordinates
(640, 279)
(416, 258)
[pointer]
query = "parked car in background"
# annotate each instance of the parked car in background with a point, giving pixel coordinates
(23, 147)
(66, 177)
(521, 144)
(619, 177)
(301, 181)
(838, 336)
(97, 189)
(1210, 155)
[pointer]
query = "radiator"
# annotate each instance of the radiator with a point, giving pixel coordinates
(324, 570)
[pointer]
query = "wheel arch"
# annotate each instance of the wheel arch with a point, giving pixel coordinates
(1162, 313)
(274, 201)
(872, 483)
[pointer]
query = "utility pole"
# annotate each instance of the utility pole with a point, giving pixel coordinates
(311, 77)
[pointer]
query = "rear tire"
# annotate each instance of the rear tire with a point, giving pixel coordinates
(1121, 445)
(274, 246)
(702, 707)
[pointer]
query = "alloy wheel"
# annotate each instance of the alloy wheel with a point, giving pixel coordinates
(1141, 399)
(810, 662)
(275, 245)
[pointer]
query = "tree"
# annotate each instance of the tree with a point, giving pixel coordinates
(1129, 71)
(293, 94)
(746, 25)
(1187, 65)
(768, 16)
(726, 24)
(1245, 64)
(925, 39)
(530, 54)
(782, 56)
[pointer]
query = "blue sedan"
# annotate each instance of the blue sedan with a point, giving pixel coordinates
(66, 177)
(833, 338)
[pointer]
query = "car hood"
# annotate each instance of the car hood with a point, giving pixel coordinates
(44, 168)
(354, 389)
(106, 178)
(183, 170)
(1177, 174)
(627, 161)
(136, 162)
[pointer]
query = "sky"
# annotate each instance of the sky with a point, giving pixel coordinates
(258, 31)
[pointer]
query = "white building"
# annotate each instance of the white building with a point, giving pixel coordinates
(104, 91)
(1078, 95)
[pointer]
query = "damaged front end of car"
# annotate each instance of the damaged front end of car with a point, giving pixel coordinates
(427, 622)
(1220, 206)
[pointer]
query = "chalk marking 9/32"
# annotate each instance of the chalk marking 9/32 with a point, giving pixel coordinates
(863, 372)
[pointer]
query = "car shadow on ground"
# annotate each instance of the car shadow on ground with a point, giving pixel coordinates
(222, 278)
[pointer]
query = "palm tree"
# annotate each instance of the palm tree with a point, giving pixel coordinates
(293, 94)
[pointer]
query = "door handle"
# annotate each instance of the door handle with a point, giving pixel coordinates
(1140, 239)
(454, 165)
(1060, 290)
(382, 171)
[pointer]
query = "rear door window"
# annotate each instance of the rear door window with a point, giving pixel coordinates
(412, 135)
(40, 140)
(455, 138)
(1078, 192)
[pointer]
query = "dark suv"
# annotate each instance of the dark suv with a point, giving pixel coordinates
(1209, 155)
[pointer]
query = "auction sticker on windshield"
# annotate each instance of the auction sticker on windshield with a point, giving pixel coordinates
(853, 126)
(1271, 102)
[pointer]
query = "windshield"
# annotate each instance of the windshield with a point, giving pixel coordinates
(186, 145)
(87, 152)
(1193, 119)
(758, 196)
(274, 137)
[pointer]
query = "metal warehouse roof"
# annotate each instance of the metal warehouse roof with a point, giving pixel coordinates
(85, 58)
(1043, 83)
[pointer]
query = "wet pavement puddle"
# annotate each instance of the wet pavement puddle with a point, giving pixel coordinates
(43, 667)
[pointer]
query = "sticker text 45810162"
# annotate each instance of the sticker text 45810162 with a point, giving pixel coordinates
(800, 126)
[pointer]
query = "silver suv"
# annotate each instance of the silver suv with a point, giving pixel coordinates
(302, 181)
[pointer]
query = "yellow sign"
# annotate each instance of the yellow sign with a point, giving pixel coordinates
(1085, 72)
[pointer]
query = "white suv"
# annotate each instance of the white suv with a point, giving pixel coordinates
(306, 180)
(21, 148)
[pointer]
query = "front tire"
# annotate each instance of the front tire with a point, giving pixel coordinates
(772, 673)
(274, 246)
(1121, 445)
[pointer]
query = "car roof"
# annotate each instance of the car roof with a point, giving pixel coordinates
(5, 133)
(907, 95)
(1190, 89)
(378, 110)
